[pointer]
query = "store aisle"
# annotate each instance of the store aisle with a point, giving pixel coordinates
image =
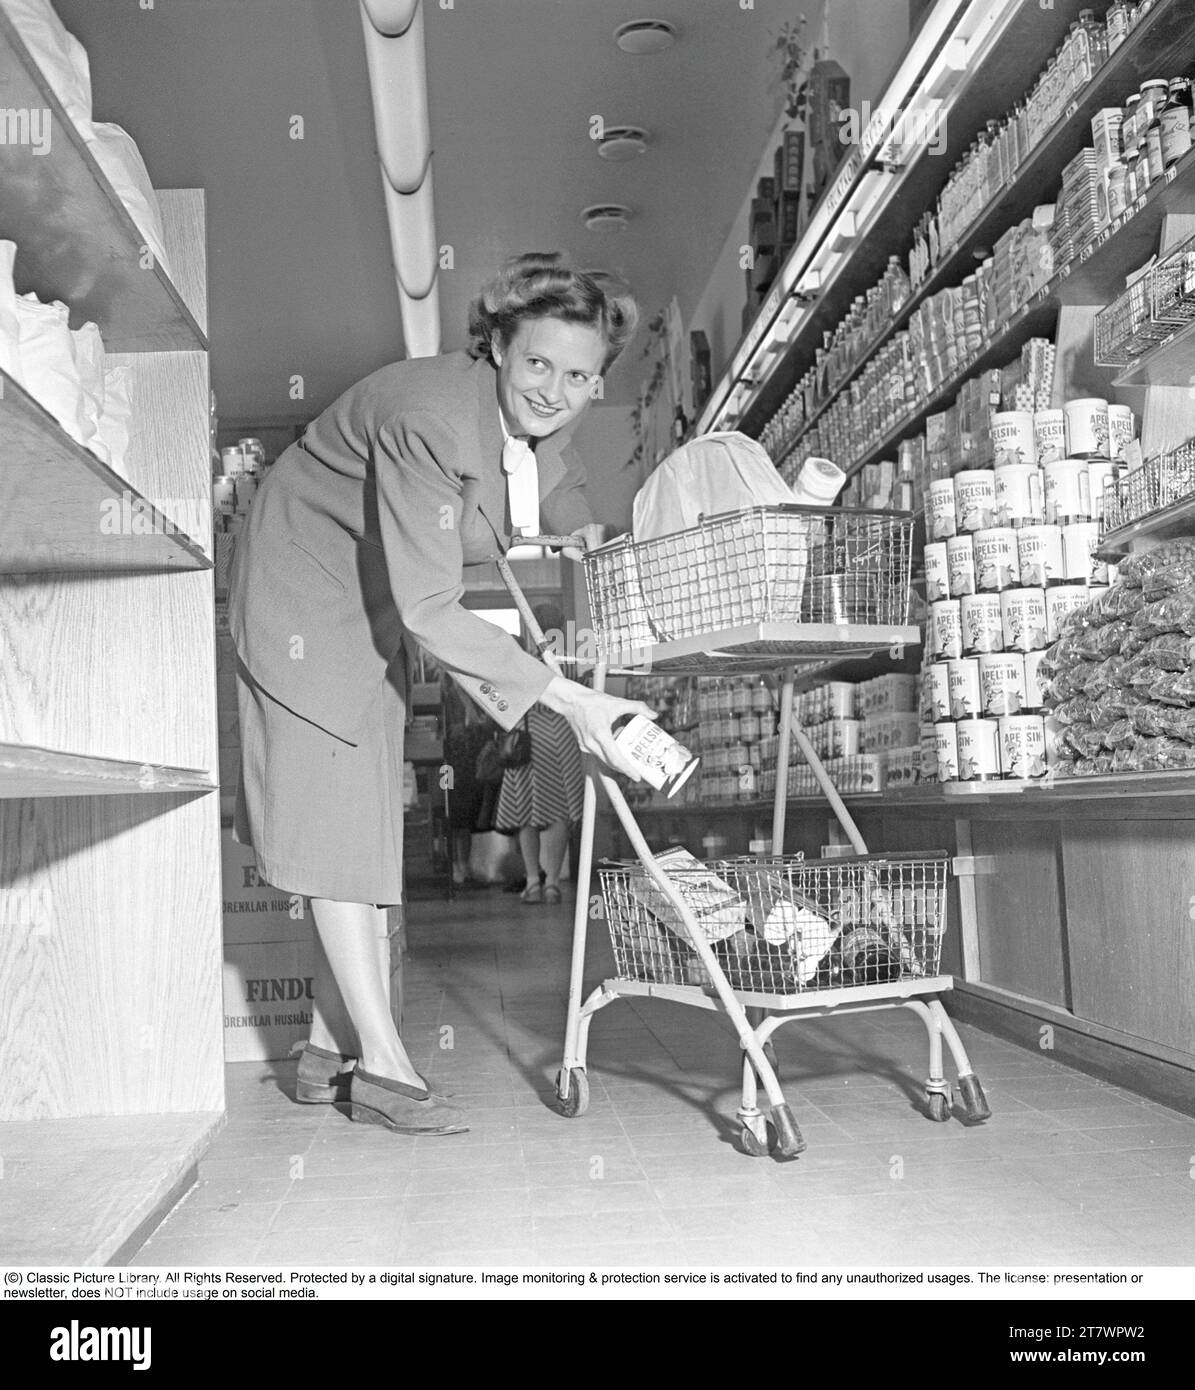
(1068, 1172)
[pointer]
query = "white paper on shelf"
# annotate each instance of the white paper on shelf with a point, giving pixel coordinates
(114, 420)
(10, 328)
(89, 360)
(117, 154)
(48, 360)
(60, 56)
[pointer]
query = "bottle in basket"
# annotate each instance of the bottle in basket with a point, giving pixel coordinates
(663, 763)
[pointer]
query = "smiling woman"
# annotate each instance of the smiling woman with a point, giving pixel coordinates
(354, 550)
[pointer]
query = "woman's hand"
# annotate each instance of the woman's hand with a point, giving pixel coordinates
(587, 538)
(590, 714)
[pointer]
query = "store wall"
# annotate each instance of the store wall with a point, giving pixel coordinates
(869, 40)
(605, 441)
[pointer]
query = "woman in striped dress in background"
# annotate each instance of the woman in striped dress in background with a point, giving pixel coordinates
(543, 798)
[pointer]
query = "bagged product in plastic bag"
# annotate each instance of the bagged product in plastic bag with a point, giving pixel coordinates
(48, 361)
(1163, 754)
(1174, 613)
(60, 56)
(1120, 734)
(1174, 688)
(1104, 676)
(1165, 720)
(116, 153)
(1119, 601)
(1135, 570)
(1171, 651)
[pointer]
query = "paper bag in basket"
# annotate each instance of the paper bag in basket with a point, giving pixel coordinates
(714, 473)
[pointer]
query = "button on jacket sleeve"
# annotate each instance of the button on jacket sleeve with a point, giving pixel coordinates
(419, 516)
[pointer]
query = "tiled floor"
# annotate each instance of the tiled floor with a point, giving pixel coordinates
(1069, 1171)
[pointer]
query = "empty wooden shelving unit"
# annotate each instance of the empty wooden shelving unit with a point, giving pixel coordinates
(110, 943)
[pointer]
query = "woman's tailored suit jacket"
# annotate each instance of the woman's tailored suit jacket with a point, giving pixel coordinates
(357, 538)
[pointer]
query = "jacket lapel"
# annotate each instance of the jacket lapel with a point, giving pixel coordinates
(488, 490)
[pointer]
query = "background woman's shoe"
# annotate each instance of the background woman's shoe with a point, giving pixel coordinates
(323, 1076)
(533, 893)
(552, 895)
(376, 1100)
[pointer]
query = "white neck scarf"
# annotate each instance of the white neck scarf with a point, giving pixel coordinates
(522, 482)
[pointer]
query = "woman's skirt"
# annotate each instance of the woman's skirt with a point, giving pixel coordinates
(324, 818)
(551, 786)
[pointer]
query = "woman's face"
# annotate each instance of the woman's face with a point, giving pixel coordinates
(547, 374)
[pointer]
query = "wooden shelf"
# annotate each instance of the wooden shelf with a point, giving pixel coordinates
(28, 771)
(61, 509)
(89, 1191)
(1176, 520)
(75, 239)
(1165, 41)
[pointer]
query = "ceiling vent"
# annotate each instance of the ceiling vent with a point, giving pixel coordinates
(645, 36)
(622, 142)
(606, 217)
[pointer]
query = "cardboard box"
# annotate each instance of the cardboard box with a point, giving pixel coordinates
(254, 911)
(268, 989)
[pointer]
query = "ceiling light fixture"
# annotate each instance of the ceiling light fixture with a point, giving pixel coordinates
(620, 143)
(641, 36)
(606, 217)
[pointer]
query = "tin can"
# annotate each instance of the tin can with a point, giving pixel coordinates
(1013, 437)
(1079, 542)
(1067, 492)
(662, 762)
(1023, 617)
(1019, 500)
(937, 571)
(749, 730)
(938, 676)
(946, 749)
(844, 737)
(1035, 685)
(946, 617)
(1001, 684)
(963, 679)
(978, 750)
(1086, 427)
(1061, 601)
(1049, 435)
(253, 449)
(740, 698)
(232, 462)
(960, 564)
(246, 488)
(1022, 746)
(1039, 550)
(940, 518)
(1121, 430)
(840, 697)
(983, 629)
(975, 499)
(224, 495)
(1101, 474)
(997, 564)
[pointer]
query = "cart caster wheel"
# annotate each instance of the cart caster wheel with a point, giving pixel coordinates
(974, 1100)
(938, 1106)
(789, 1140)
(576, 1102)
(752, 1144)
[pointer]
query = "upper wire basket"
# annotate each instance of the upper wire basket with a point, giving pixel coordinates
(1149, 311)
(785, 925)
(764, 564)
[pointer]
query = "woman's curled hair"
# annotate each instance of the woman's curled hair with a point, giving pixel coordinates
(538, 285)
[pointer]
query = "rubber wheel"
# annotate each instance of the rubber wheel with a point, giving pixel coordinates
(937, 1106)
(751, 1143)
(577, 1101)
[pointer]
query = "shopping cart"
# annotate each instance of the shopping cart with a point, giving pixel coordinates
(776, 938)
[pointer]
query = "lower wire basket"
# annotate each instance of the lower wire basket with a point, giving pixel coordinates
(782, 925)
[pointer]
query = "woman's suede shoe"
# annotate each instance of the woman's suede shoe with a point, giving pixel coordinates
(376, 1100)
(323, 1076)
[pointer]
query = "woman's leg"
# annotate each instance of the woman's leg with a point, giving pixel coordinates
(331, 1027)
(529, 848)
(350, 933)
(555, 839)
